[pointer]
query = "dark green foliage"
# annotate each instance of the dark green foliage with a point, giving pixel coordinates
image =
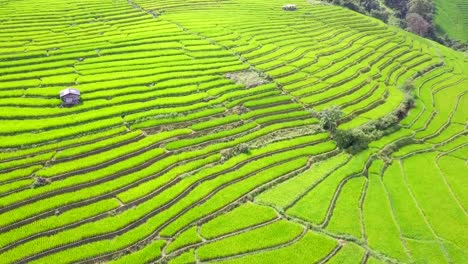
(231, 152)
(424, 8)
(357, 139)
(39, 181)
(352, 140)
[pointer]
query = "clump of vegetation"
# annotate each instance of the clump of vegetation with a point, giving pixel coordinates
(413, 15)
(248, 78)
(234, 151)
(357, 139)
(40, 181)
(329, 118)
(408, 100)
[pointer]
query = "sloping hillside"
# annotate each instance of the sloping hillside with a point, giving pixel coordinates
(172, 157)
(452, 18)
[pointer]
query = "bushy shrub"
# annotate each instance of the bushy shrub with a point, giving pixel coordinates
(234, 151)
(353, 140)
(329, 118)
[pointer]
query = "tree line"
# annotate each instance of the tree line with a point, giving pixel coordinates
(413, 15)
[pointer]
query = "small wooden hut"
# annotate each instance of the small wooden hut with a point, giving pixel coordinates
(70, 97)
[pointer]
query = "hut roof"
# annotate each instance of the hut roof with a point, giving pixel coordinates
(69, 91)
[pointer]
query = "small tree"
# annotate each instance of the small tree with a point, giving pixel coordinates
(353, 140)
(329, 118)
(407, 87)
(424, 8)
(417, 24)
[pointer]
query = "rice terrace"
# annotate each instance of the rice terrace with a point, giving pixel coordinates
(228, 131)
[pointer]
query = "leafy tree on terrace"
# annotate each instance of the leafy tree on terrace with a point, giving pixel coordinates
(329, 118)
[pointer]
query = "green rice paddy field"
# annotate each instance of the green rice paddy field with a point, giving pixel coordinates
(149, 168)
(451, 18)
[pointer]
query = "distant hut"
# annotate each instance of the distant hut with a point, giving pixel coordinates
(289, 7)
(70, 96)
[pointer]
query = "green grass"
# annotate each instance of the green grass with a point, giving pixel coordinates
(451, 18)
(346, 215)
(188, 237)
(294, 253)
(382, 232)
(447, 225)
(246, 215)
(148, 167)
(285, 193)
(271, 235)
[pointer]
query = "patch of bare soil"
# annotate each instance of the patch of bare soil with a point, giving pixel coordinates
(248, 78)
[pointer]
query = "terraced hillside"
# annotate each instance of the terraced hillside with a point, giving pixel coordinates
(452, 18)
(168, 159)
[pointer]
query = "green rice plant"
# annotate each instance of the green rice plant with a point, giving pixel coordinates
(19, 84)
(224, 89)
(215, 122)
(457, 142)
(391, 138)
(313, 206)
(136, 69)
(193, 141)
(423, 251)
(62, 144)
(19, 173)
(19, 102)
(110, 154)
(267, 101)
(381, 230)
(82, 178)
(350, 253)
(285, 193)
(263, 111)
(406, 211)
(460, 153)
(38, 66)
(98, 67)
(346, 215)
(294, 253)
(122, 219)
(408, 149)
(179, 171)
(444, 109)
(67, 217)
(244, 216)
(376, 166)
(57, 134)
(413, 114)
(184, 258)
(41, 158)
(232, 191)
(461, 114)
(284, 116)
(362, 105)
(188, 237)
(450, 168)
(94, 146)
(184, 118)
(152, 71)
(449, 132)
(148, 253)
(4, 188)
(37, 74)
(273, 234)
